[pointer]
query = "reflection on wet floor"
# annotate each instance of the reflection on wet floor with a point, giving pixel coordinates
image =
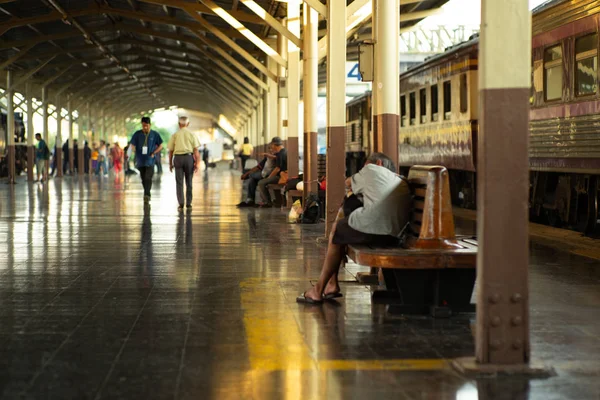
(102, 298)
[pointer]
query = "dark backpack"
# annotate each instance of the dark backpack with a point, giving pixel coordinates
(46, 152)
(311, 212)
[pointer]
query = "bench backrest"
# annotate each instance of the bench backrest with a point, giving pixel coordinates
(431, 220)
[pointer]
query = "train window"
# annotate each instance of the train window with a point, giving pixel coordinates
(403, 110)
(423, 105)
(434, 102)
(412, 107)
(464, 101)
(586, 59)
(447, 100)
(553, 73)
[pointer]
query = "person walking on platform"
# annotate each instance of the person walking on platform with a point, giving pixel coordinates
(102, 159)
(184, 156)
(116, 153)
(246, 152)
(145, 143)
(75, 156)
(205, 154)
(42, 155)
(65, 151)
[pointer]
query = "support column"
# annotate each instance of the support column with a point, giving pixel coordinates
(71, 138)
(30, 133)
(10, 128)
(103, 126)
(374, 141)
(83, 127)
(310, 87)
(114, 126)
(253, 129)
(336, 108)
(293, 82)
(261, 122)
(45, 123)
(282, 109)
(386, 90)
(271, 104)
(502, 335)
(58, 155)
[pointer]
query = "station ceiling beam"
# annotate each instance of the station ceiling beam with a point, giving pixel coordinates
(247, 33)
(26, 76)
(192, 10)
(202, 56)
(200, 42)
(272, 22)
(16, 57)
(199, 72)
(318, 7)
(239, 15)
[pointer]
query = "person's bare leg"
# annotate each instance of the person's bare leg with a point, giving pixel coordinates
(331, 266)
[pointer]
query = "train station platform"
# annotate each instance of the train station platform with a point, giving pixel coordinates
(100, 298)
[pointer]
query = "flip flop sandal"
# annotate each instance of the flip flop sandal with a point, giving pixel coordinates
(331, 296)
(307, 300)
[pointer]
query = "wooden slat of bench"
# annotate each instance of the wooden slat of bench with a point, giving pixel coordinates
(401, 258)
(420, 192)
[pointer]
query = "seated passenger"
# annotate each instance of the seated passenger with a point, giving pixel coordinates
(379, 221)
(275, 175)
(261, 171)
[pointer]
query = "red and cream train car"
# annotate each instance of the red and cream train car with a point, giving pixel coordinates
(439, 115)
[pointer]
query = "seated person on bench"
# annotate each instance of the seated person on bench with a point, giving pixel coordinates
(275, 175)
(385, 211)
(261, 171)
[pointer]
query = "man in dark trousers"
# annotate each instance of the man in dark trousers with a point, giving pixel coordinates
(184, 156)
(205, 157)
(145, 143)
(66, 155)
(75, 156)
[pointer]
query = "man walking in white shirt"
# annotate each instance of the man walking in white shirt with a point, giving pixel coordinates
(184, 156)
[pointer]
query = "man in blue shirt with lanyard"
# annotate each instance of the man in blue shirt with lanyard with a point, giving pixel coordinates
(145, 144)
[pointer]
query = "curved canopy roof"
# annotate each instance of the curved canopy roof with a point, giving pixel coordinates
(136, 55)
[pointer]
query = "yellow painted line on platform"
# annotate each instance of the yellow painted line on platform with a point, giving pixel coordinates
(275, 342)
(383, 365)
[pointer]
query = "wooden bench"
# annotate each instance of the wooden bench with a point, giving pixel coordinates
(434, 271)
(299, 194)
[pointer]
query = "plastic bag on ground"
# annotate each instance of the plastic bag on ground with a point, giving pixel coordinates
(295, 212)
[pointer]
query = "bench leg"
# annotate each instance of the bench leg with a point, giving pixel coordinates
(440, 293)
(368, 278)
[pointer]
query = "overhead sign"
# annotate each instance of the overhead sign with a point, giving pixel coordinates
(352, 73)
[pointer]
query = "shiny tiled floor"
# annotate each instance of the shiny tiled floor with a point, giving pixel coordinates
(100, 299)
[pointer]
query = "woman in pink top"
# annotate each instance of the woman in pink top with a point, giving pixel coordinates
(116, 152)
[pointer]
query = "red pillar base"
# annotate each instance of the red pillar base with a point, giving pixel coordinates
(58, 162)
(80, 161)
(11, 164)
(30, 162)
